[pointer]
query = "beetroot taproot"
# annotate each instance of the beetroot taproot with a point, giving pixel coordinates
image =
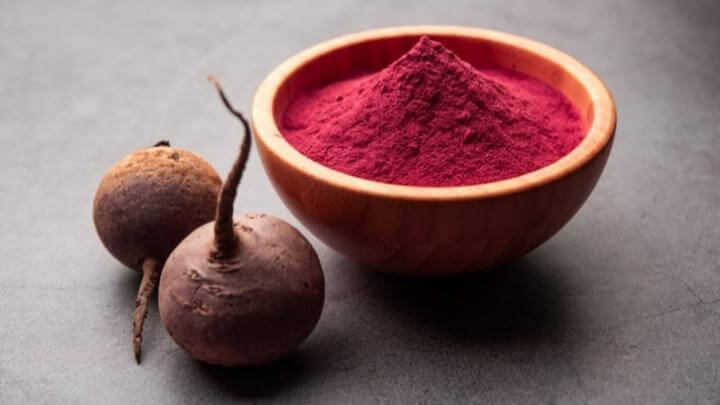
(244, 290)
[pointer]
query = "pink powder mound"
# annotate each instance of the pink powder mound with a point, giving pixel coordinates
(431, 119)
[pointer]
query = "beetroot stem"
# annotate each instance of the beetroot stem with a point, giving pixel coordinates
(226, 240)
(151, 275)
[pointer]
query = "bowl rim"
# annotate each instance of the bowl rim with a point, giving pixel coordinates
(599, 133)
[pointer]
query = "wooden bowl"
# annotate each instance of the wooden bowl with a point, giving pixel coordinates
(433, 230)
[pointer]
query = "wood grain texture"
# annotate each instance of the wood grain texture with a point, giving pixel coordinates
(432, 231)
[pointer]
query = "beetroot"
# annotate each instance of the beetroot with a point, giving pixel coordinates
(145, 205)
(241, 291)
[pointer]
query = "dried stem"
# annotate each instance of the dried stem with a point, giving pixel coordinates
(151, 275)
(226, 240)
(163, 142)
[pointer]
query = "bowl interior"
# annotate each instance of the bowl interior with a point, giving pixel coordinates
(376, 53)
(373, 50)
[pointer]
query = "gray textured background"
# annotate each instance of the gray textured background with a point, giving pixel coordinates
(623, 305)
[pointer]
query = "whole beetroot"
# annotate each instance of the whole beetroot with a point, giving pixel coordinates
(145, 205)
(241, 291)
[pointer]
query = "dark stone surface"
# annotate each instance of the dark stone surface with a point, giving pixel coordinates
(622, 306)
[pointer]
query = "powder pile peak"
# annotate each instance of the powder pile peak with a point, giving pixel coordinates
(432, 119)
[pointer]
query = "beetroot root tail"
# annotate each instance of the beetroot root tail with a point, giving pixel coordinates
(150, 278)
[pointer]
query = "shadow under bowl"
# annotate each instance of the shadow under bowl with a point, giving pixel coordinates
(433, 231)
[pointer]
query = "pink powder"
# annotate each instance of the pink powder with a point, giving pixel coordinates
(431, 119)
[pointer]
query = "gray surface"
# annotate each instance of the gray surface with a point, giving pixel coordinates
(621, 306)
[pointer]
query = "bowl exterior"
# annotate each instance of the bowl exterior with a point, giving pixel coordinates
(433, 231)
(432, 238)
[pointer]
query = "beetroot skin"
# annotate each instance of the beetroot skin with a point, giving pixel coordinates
(241, 291)
(249, 309)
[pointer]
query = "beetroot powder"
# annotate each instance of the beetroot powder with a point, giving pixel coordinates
(431, 119)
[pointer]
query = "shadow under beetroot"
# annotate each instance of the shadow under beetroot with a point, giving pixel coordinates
(268, 381)
(257, 382)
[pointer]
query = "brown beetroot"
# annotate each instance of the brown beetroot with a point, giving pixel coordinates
(145, 205)
(241, 291)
